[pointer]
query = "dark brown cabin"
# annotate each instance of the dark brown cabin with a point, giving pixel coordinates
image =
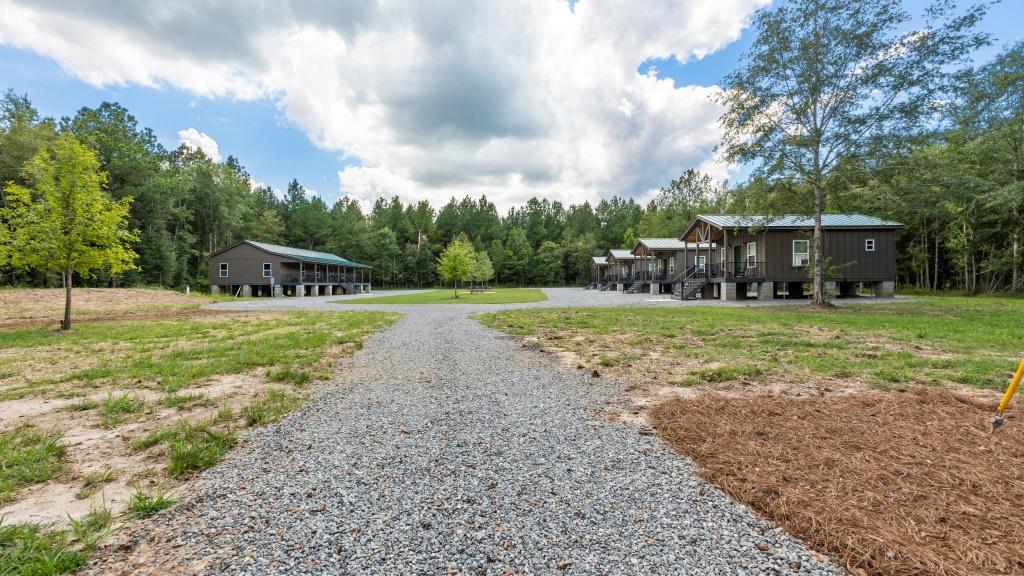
(769, 257)
(251, 268)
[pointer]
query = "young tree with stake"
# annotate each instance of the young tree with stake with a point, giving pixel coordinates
(64, 221)
(832, 79)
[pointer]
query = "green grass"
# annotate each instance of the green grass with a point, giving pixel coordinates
(29, 550)
(934, 341)
(27, 456)
(190, 446)
(172, 354)
(494, 296)
(144, 504)
(270, 407)
(115, 409)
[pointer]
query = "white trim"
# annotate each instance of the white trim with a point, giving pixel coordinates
(701, 261)
(869, 242)
(749, 246)
(225, 270)
(268, 269)
(806, 259)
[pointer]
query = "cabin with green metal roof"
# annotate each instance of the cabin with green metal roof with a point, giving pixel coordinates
(769, 257)
(251, 268)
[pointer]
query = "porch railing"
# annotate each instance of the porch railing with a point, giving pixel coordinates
(719, 270)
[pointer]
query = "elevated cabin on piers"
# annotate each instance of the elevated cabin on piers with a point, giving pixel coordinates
(663, 262)
(251, 268)
(769, 257)
(598, 273)
(621, 270)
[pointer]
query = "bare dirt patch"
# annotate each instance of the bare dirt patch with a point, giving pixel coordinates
(94, 449)
(33, 307)
(885, 482)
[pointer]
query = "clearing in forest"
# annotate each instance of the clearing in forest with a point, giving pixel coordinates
(446, 296)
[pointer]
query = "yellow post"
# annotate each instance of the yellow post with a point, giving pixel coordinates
(997, 420)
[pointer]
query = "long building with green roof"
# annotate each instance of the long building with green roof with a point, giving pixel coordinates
(251, 268)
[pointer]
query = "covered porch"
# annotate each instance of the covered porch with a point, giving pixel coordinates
(734, 271)
(300, 278)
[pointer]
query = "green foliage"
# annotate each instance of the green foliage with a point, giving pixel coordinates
(517, 255)
(27, 456)
(63, 221)
(830, 80)
(482, 270)
(456, 263)
(548, 269)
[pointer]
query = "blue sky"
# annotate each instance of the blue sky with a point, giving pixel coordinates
(272, 136)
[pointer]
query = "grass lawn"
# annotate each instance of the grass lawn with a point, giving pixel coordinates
(972, 341)
(116, 415)
(445, 296)
(856, 429)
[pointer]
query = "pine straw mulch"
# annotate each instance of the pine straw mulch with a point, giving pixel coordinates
(885, 483)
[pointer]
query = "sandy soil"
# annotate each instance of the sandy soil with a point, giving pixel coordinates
(94, 449)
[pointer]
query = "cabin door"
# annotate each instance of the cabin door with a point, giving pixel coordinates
(738, 259)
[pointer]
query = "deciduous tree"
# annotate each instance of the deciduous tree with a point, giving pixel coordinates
(827, 80)
(62, 220)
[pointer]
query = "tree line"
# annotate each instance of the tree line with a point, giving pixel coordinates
(944, 156)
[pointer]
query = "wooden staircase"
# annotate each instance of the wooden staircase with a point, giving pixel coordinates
(689, 284)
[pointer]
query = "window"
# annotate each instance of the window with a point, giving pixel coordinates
(701, 261)
(223, 269)
(268, 270)
(751, 254)
(801, 253)
(672, 267)
(869, 245)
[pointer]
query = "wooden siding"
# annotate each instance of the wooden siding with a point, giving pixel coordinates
(845, 248)
(691, 258)
(245, 266)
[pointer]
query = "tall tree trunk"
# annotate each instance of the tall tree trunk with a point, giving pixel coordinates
(818, 297)
(1015, 283)
(935, 271)
(66, 324)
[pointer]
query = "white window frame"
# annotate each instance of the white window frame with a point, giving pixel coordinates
(225, 270)
(701, 263)
(751, 252)
(268, 269)
(869, 244)
(806, 255)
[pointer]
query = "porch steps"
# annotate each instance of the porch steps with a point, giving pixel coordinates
(689, 289)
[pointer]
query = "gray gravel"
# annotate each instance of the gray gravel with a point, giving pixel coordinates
(446, 448)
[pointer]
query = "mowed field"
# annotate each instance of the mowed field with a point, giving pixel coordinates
(861, 429)
(447, 296)
(109, 421)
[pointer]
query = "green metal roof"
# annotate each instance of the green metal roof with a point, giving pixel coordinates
(304, 255)
(621, 254)
(797, 221)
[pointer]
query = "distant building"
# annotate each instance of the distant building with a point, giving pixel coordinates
(251, 268)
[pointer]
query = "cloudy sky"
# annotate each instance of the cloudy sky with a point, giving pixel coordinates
(420, 99)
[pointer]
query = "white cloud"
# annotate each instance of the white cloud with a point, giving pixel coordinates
(436, 99)
(199, 141)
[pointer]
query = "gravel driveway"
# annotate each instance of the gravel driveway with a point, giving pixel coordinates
(448, 448)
